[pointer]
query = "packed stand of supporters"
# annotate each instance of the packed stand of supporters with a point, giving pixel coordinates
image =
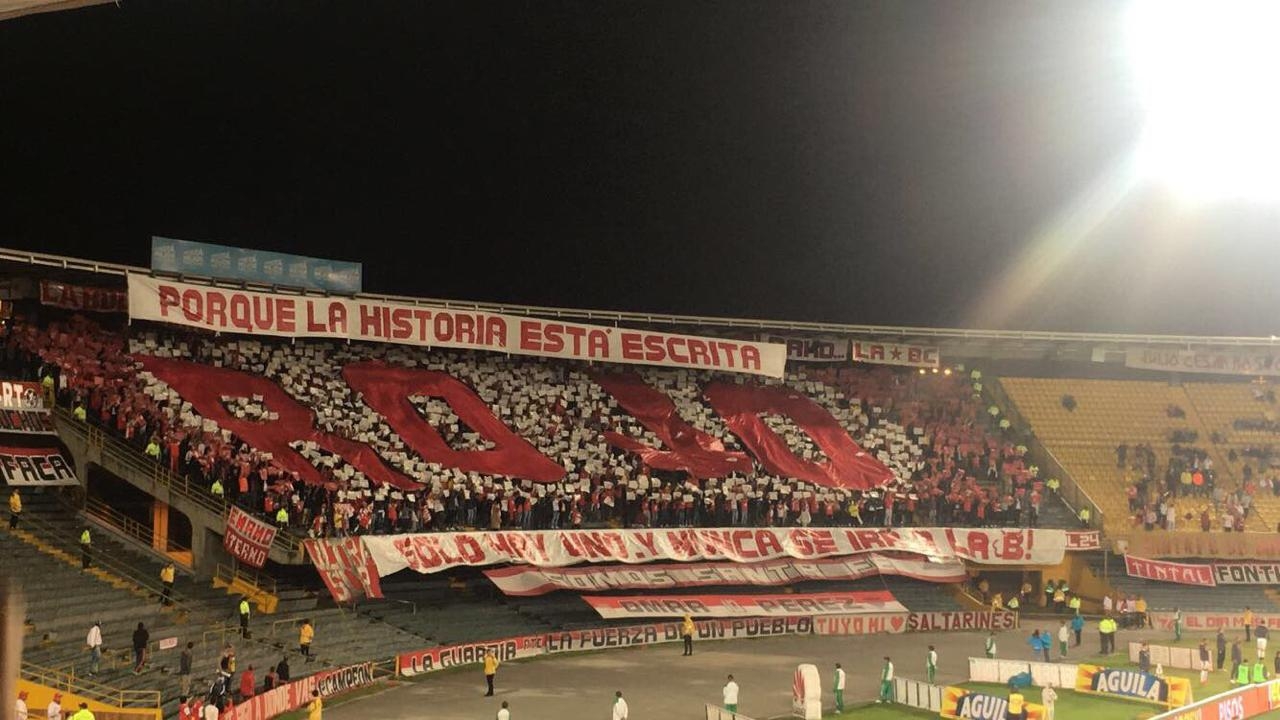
(951, 465)
(1186, 492)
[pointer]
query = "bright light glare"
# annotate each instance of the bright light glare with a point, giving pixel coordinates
(1209, 73)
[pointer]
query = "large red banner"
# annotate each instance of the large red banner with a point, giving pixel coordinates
(522, 580)
(1164, 571)
(352, 566)
(247, 538)
(239, 311)
(742, 606)
(83, 298)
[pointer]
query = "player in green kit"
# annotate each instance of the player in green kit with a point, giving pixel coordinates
(886, 681)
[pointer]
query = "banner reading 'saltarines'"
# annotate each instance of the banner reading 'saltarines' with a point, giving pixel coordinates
(247, 538)
(521, 580)
(83, 298)
(611, 607)
(351, 566)
(896, 354)
(35, 466)
(1222, 362)
(238, 311)
(1164, 571)
(893, 623)
(811, 349)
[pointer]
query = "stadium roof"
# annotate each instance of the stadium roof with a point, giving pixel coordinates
(10, 9)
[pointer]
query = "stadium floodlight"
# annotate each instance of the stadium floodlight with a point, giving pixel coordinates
(1206, 71)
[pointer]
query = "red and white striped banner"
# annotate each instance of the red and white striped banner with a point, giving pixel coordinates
(743, 606)
(522, 580)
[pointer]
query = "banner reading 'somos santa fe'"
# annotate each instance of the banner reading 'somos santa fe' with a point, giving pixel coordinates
(247, 538)
(240, 311)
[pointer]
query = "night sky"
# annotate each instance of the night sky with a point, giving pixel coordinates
(862, 162)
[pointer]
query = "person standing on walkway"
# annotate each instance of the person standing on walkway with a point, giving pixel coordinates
(1248, 622)
(1144, 659)
(167, 574)
(1204, 661)
(490, 669)
(1260, 634)
(991, 645)
(315, 711)
(94, 641)
(244, 617)
(886, 681)
(54, 710)
(184, 669)
(504, 713)
(1048, 698)
(1237, 658)
(731, 695)
(306, 634)
(686, 633)
(1064, 636)
(620, 709)
(1222, 649)
(86, 548)
(141, 638)
(1107, 626)
(931, 664)
(1177, 624)
(248, 683)
(15, 509)
(838, 684)
(1077, 627)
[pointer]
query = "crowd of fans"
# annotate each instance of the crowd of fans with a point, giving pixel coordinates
(953, 465)
(1189, 474)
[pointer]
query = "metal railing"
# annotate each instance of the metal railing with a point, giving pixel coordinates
(68, 682)
(116, 455)
(125, 525)
(258, 580)
(1070, 490)
(36, 259)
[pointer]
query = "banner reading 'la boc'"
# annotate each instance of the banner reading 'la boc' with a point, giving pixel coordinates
(240, 311)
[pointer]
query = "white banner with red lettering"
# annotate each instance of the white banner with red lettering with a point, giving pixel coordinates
(923, 356)
(611, 607)
(247, 538)
(256, 313)
(948, 621)
(1196, 620)
(1171, 572)
(605, 638)
(351, 566)
(811, 349)
(83, 298)
(522, 580)
(1214, 362)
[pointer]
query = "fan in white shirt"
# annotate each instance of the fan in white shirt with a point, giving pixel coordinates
(55, 707)
(20, 707)
(504, 713)
(731, 695)
(619, 707)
